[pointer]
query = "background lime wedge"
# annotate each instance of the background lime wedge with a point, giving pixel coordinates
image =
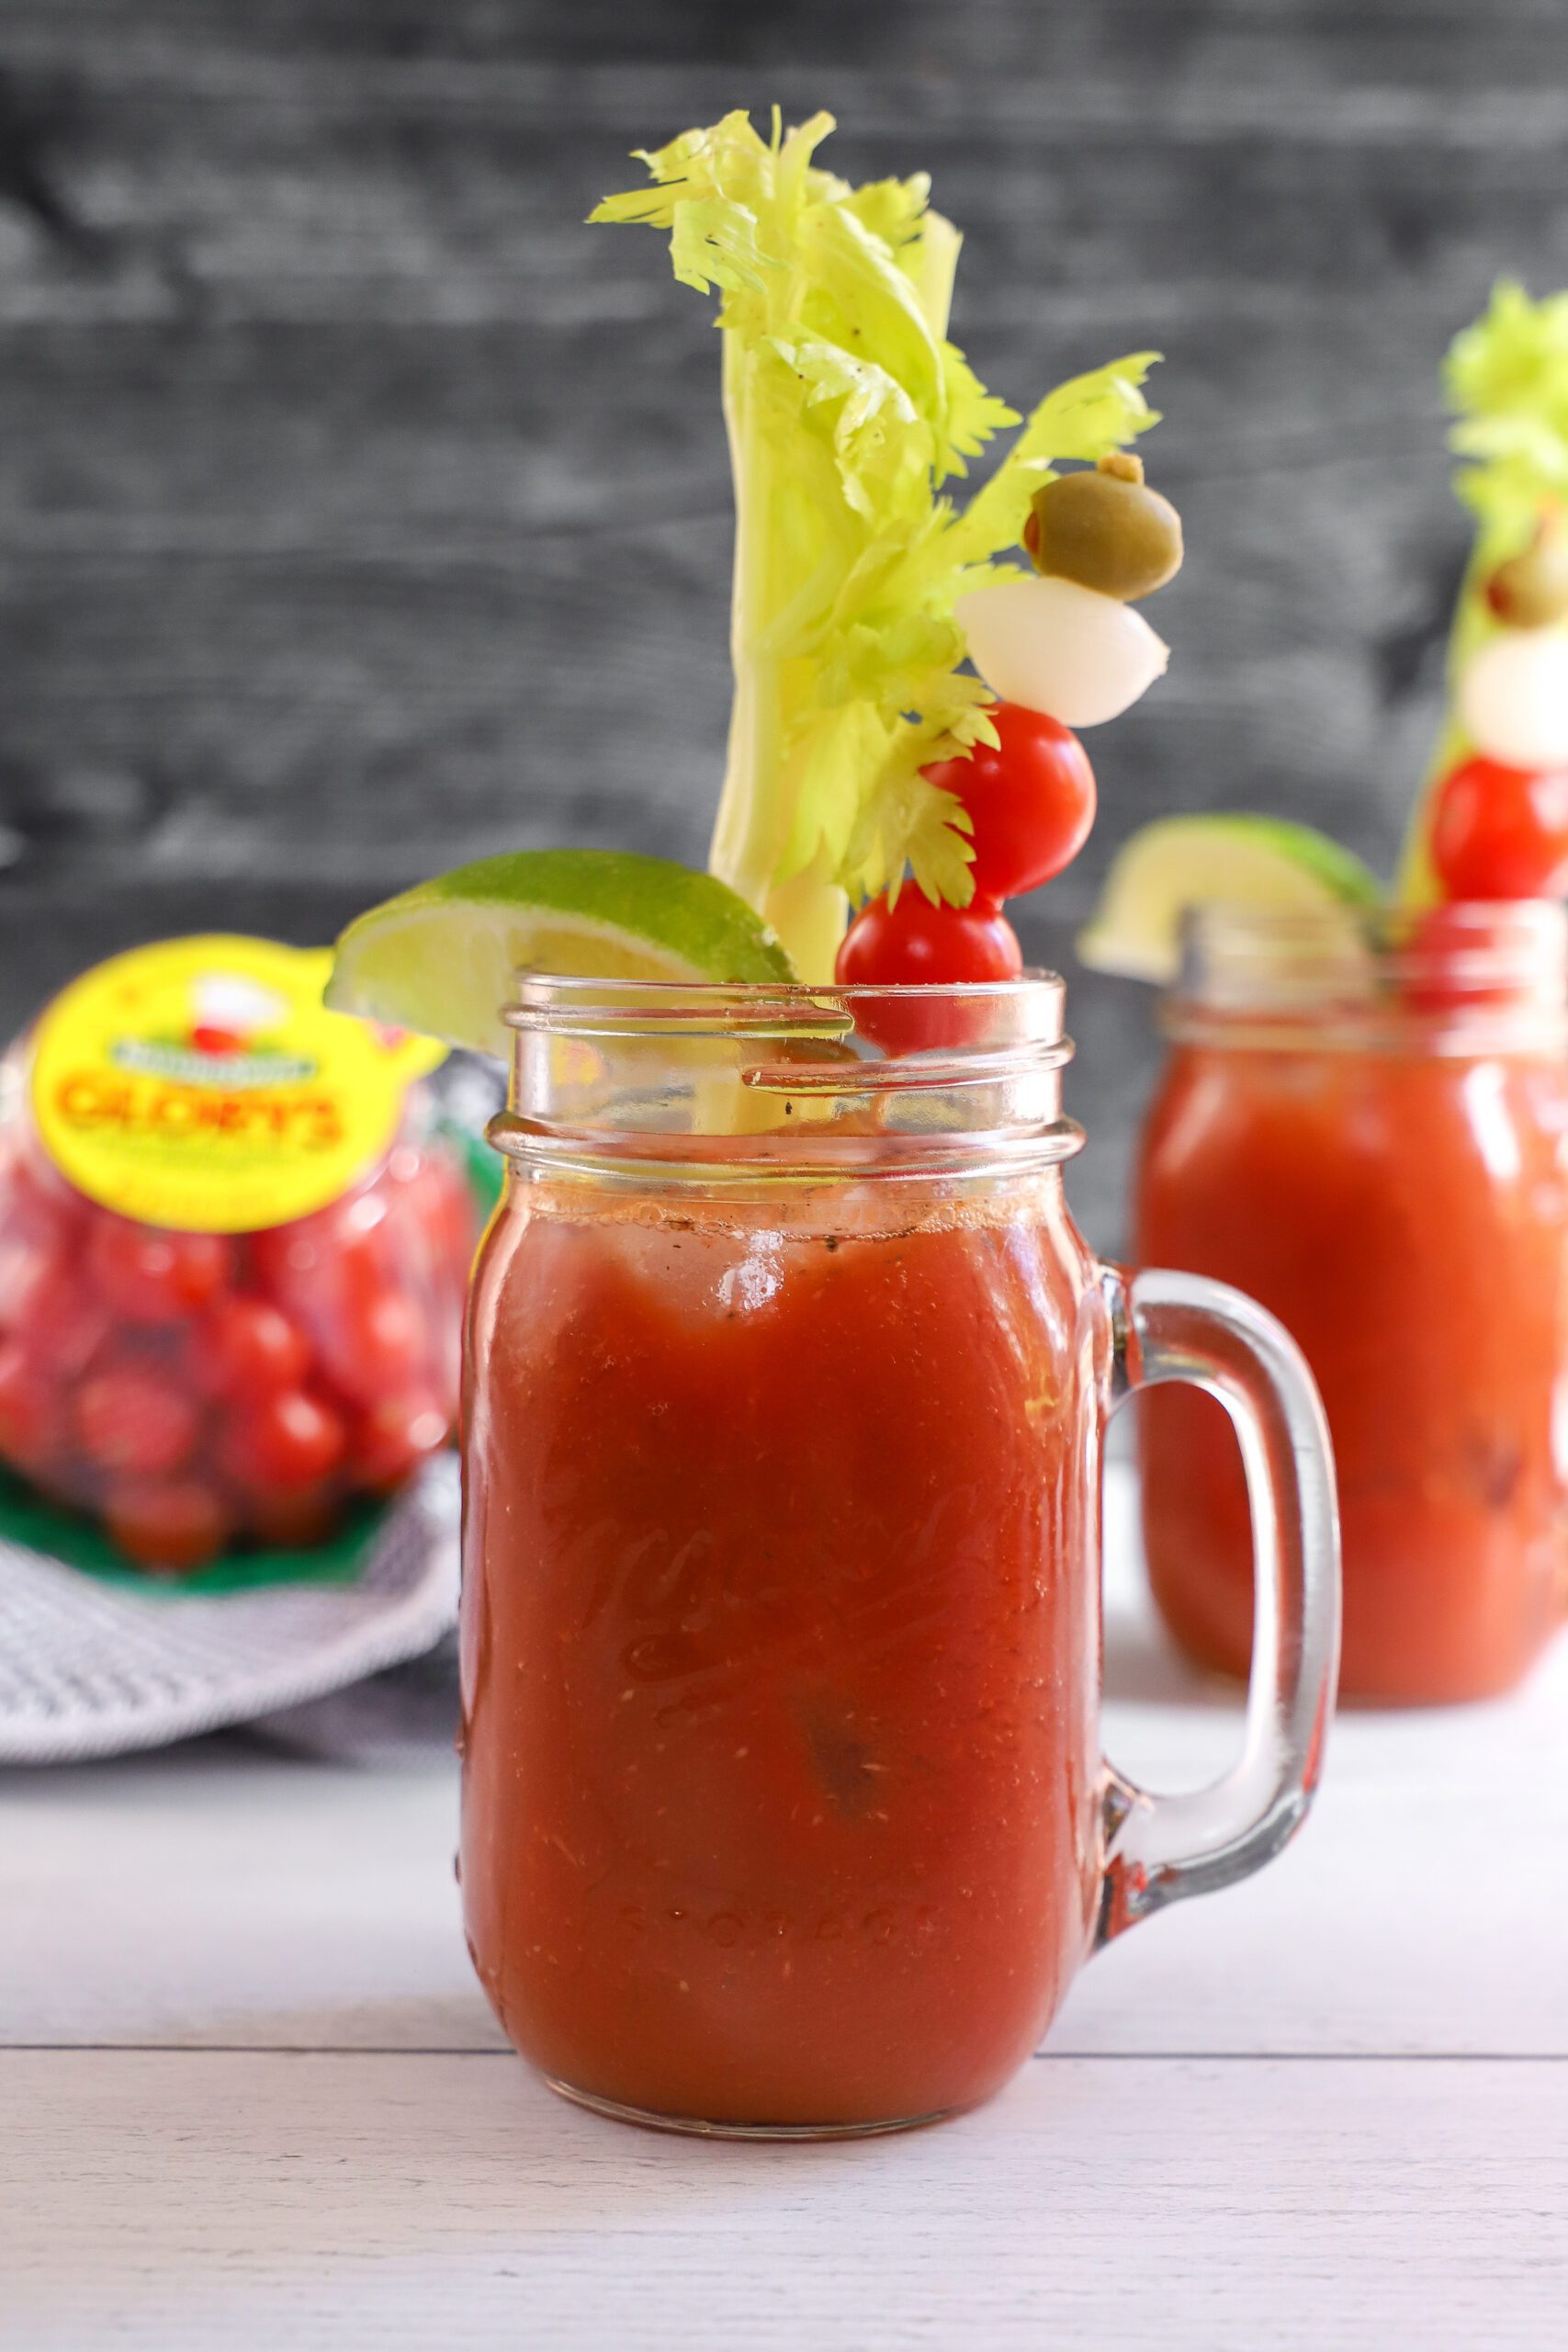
(442, 957)
(1183, 861)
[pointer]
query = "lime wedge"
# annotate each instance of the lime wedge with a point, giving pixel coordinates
(443, 958)
(1183, 861)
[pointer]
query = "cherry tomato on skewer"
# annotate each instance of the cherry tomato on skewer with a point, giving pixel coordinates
(1501, 832)
(1031, 797)
(1454, 963)
(914, 942)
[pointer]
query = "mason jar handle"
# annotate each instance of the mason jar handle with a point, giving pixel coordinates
(1184, 1327)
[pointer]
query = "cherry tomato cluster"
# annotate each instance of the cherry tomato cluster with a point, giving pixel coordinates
(200, 1390)
(1030, 800)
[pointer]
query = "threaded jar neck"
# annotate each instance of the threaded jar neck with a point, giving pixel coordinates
(787, 1082)
(1472, 978)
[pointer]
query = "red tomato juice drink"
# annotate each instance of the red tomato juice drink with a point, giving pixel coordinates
(793, 1775)
(784, 1810)
(1367, 1128)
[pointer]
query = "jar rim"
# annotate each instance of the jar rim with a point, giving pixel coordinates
(799, 1078)
(552, 999)
(1543, 920)
(1467, 978)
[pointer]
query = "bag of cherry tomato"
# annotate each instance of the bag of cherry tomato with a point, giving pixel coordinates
(235, 1238)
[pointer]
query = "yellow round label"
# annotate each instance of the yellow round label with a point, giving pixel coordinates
(202, 1084)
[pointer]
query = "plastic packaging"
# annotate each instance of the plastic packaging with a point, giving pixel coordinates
(203, 1377)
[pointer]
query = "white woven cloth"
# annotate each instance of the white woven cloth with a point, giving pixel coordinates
(90, 1668)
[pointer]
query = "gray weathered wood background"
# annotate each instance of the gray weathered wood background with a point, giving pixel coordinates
(360, 510)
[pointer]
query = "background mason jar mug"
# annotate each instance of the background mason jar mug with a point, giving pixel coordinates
(1364, 1124)
(784, 1810)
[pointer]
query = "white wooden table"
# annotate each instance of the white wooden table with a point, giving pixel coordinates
(250, 2095)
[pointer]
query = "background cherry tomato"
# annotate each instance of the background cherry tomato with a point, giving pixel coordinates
(278, 1444)
(306, 1515)
(30, 1262)
(303, 1264)
(437, 1198)
(37, 1199)
(1031, 797)
(247, 1346)
(149, 1275)
(915, 942)
(171, 1523)
(43, 1298)
(63, 1320)
(32, 1410)
(394, 1436)
(133, 1416)
(370, 1334)
(1501, 832)
(286, 1258)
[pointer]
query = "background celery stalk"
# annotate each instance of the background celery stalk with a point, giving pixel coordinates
(1506, 381)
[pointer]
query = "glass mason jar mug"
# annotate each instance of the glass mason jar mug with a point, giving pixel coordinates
(1364, 1124)
(782, 1807)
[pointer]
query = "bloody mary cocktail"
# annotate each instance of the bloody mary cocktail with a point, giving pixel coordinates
(1380, 1155)
(781, 1628)
(783, 1802)
(787, 1370)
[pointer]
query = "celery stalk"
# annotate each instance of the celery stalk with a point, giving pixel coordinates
(805, 909)
(847, 411)
(1507, 380)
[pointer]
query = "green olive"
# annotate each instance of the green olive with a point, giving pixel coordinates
(1107, 530)
(1530, 591)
